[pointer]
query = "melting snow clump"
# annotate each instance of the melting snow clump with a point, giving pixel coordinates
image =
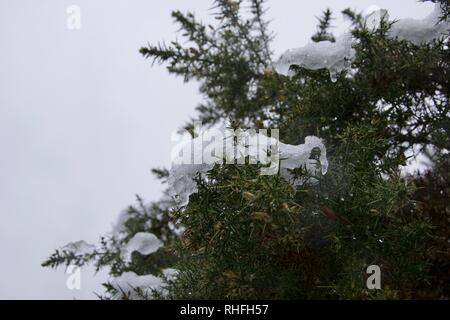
(129, 282)
(293, 157)
(244, 144)
(421, 31)
(170, 274)
(339, 55)
(79, 248)
(334, 56)
(142, 242)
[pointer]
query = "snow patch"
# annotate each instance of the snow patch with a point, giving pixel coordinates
(421, 31)
(293, 157)
(338, 56)
(243, 144)
(170, 274)
(79, 248)
(128, 282)
(142, 242)
(334, 56)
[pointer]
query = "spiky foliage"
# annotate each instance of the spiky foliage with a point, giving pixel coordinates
(227, 59)
(323, 27)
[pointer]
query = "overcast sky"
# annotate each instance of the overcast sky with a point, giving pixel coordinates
(83, 119)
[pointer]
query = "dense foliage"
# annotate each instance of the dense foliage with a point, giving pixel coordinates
(252, 236)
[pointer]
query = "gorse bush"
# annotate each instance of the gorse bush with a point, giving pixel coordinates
(248, 236)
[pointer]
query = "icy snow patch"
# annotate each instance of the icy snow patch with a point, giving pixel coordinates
(334, 56)
(293, 157)
(253, 145)
(421, 31)
(418, 162)
(128, 282)
(143, 242)
(79, 248)
(373, 16)
(339, 55)
(170, 274)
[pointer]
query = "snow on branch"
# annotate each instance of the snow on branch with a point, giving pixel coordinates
(198, 156)
(143, 242)
(339, 55)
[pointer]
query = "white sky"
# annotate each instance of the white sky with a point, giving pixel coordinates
(83, 119)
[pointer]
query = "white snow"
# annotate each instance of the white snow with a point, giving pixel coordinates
(79, 248)
(143, 242)
(373, 17)
(128, 282)
(334, 56)
(170, 274)
(418, 161)
(254, 145)
(371, 9)
(339, 55)
(421, 31)
(295, 156)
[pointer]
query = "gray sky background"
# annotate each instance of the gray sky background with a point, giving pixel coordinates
(83, 119)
